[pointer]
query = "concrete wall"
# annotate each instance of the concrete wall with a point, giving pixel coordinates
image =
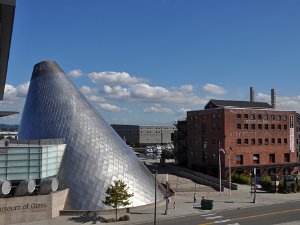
(31, 208)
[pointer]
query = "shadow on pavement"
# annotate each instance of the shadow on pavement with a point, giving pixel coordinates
(87, 218)
(140, 213)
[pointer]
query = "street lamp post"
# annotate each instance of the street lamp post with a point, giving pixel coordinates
(167, 199)
(155, 187)
(220, 171)
(254, 175)
(229, 170)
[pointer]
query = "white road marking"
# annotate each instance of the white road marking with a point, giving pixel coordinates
(234, 224)
(211, 214)
(213, 217)
(222, 221)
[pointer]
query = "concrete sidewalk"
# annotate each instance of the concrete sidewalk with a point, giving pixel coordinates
(185, 206)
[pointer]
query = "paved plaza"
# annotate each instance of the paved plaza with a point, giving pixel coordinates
(184, 201)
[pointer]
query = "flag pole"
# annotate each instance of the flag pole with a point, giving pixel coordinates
(220, 172)
(229, 171)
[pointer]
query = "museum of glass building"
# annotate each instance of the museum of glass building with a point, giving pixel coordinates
(95, 155)
(29, 163)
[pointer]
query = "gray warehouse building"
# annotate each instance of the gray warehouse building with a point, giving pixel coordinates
(142, 135)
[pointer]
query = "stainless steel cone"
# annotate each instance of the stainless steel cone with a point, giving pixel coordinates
(95, 155)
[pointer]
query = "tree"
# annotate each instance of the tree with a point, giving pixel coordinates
(166, 154)
(117, 195)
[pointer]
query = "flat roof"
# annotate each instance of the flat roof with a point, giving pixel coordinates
(7, 113)
(7, 14)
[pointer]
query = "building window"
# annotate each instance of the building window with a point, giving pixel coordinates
(266, 141)
(279, 126)
(266, 126)
(272, 117)
(285, 126)
(239, 126)
(252, 117)
(195, 141)
(285, 141)
(253, 141)
(273, 141)
(213, 126)
(259, 126)
(284, 117)
(246, 126)
(253, 126)
(246, 141)
(272, 126)
(271, 158)
(214, 116)
(245, 116)
(272, 171)
(259, 117)
(204, 145)
(259, 141)
(266, 117)
(279, 141)
(213, 141)
(203, 127)
(286, 157)
(238, 116)
(278, 117)
(255, 158)
(239, 160)
(239, 141)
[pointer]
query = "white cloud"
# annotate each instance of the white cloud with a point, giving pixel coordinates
(186, 88)
(113, 78)
(183, 110)
(97, 99)
(263, 97)
(85, 90)
(22, 89)
(75, 73)
(10, 92)
(214, 89)
(148, 92)
(116, 92)
(282, 103)
(110, 107)
(157, 108)
(145, 92)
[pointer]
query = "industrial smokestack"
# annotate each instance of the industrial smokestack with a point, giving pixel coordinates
(273, 98)
(252, 94)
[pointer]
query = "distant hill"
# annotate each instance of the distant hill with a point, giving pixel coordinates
(9, 127)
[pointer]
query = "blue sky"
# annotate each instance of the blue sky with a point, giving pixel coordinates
(148, 61)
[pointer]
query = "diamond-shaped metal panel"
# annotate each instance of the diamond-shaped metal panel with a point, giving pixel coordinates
(95, 155)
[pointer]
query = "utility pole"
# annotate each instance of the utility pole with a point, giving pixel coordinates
(155, 184)
(229, 170)
(254, 175)
(220, 171)
(167, 199)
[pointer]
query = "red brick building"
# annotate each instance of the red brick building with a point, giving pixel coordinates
(253, 134)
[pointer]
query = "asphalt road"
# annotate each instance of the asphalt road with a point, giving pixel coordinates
(262, 215)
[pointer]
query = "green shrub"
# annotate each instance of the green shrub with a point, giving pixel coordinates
(240, 178)
(266, 183)
(126, 217)
(294, 187)
(281, 187)
(111, 220)
(234, 178)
